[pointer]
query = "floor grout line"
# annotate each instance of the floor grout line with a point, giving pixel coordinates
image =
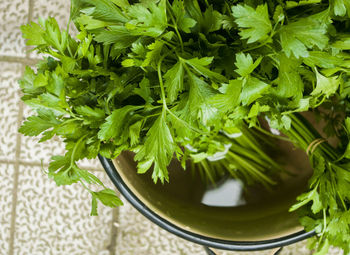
(30, 18)
(15, 59)
(31, 163)
(16, 177)
(25, 61)
(114, 231)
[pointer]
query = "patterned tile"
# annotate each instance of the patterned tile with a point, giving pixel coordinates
(6, 187)
(59, 9)
(13, 14)
(138, 235)
(55, 220)
(9, 105)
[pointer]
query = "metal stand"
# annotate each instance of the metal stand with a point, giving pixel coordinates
(210, 252)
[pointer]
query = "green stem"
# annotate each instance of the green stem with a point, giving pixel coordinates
(72, 160)
(175, 26)
(260, 129)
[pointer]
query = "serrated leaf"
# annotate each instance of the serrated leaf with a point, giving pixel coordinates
(325, 85)
(230, 98)
(252, 89)
(153, 56)
(341, 7)
(174, 81)
(245, 64)
(200, 65)
(158, 149)
(33, 32)
(35, 125)
(297, 37)
(255, 24)
(113, 127)
(144, 91)
(290, 83)
(87, 111)
(107, 197)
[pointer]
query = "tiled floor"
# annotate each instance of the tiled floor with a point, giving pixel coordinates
(36, 216)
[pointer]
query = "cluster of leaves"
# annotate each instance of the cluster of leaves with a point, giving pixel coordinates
(157, 77)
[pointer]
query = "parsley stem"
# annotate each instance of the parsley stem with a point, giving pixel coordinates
(160, 78)
(72, 158)
(175, 26)
(260, 129)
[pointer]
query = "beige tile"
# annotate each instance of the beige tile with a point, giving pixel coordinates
(59, 9)
(56, 220)
(138, 235)
(9, 107)
(6, 188)
(13, 14)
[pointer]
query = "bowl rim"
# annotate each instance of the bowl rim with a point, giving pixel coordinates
(117, 180)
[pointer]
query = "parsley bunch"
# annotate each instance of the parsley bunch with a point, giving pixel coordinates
(177, 79)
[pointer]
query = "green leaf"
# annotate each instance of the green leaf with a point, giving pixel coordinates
(286, 122)
(184, 23)
(108, 197)
(149, 18)
(33, 32)
(128, 62)
(61, 170)
(322, 59)
(104, 10)
(230, 98)
(144, 91)
(200, 65)
(115, 123)
(158, 149)
(252, 89)
(49, 102)
(90, 112)
(245, 64)
(326, 86)
(153, 56)
(255, 24)
(306, 198)
(174, 81)
(341, 7)
(134, 132)
(35, 125)
(342, 42)
(199, 100)
(289, 81)
(299, 36)
(117, 35)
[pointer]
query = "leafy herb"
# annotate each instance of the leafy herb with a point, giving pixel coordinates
(166, 79)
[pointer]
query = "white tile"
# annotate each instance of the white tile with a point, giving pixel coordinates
(6, 188)
(9, 107)
(56, 220)
(13, 14)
